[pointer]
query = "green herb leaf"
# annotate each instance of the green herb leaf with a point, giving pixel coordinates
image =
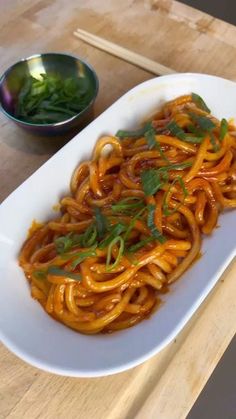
(223, 128)
(200, 102)
(166, 210)
(115, 231)
(119, 255)
(55, 270)
(151, 224)
(101, 223)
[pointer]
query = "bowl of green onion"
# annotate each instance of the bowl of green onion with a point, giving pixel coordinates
(49, 94)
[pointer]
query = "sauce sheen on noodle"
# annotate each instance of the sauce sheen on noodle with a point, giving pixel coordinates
(134, 219)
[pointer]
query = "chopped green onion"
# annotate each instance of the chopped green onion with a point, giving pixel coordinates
(151, 181)
(205, 123)
(150, 137)
(81, 256)
(89, 236)
(53, 98)
(140, 244)
(134, 134)
(64, 243)
(175, 166)
(195, 130)
(132, 224)
(127, 204)
(151, 224)
(55, 270)
(119, 255)
(200, 102)
(154, 143)
(166, 210)
(101, 223)
(115, 231)
(213, 142)
(40, 275)
(223, 128)
(178, 132)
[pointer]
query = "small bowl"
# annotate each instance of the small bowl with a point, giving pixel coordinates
(50, 63)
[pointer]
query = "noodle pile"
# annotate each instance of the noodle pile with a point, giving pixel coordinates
(134, 219)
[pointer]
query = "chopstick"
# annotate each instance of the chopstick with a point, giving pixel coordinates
(123, 53)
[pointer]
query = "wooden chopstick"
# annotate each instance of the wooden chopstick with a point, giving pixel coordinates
(124, 53)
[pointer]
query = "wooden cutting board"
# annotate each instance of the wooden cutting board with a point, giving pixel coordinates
(181, 38)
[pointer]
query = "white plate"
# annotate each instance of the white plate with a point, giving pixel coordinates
(24, 326)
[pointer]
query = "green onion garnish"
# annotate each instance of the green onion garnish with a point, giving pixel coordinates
(128, 204)
(115, 231)
(134, 134)
(119, 255)
(175, 166)
(40, 275)
(151, 181)
(151, 224)
(140, 244)
(223, 128)
(89, 236)
(64, 243)
(81, 256)
(101, 223)
(166, 210)
(52, 98)
(131, 225)
(55, 270)
(178, 132)
(205, 123)
(213, 142)
(154, 143)
(200, 102)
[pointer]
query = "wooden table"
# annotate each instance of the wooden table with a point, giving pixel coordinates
(179, 37)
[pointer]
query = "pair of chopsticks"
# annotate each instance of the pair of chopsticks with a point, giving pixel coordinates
(123, 53)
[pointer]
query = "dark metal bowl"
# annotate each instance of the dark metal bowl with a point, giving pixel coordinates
(62, 64)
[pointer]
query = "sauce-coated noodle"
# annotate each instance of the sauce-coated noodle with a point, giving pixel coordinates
(134, 219)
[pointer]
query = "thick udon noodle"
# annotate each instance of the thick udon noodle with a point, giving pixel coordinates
(93, 287)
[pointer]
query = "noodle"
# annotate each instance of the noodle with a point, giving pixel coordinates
(134, 219)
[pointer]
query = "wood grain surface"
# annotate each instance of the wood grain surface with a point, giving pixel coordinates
(181, 38)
